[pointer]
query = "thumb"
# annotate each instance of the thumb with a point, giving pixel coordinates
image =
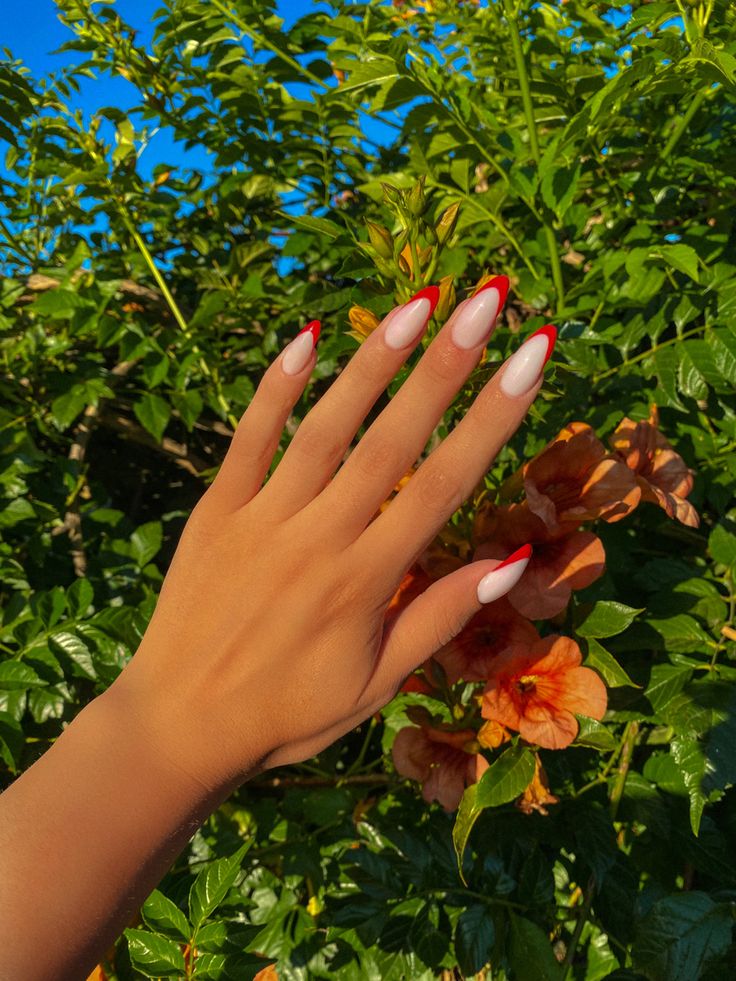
(442, 610)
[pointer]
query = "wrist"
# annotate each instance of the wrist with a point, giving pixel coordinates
(182, 728)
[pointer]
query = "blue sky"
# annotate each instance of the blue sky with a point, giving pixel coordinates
(34, 35)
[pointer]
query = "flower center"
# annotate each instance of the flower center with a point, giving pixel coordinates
(526, 683)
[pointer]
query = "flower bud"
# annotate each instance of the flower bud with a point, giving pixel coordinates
(401, 240)
(446, 301)
(392, 194)
(387, 269)
(447, 222)
(416, 199)
(381, 239)
(363, 321)
(492, 734)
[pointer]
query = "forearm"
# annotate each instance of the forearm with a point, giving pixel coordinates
(86, 834)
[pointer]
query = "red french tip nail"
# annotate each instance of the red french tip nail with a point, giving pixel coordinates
(500, 283)
(550, 332)
(314, 327)
(431, 293)
(525, 552)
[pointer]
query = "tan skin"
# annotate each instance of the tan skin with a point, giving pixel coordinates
(269, 641)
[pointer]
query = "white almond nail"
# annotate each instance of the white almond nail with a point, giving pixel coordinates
(523, 369)
(297, 353)
(476, 320)
(407, 324)
(501, 580)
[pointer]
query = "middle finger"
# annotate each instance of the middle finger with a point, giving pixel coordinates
(397, 437)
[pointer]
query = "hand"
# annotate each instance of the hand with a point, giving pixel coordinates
(270, 637)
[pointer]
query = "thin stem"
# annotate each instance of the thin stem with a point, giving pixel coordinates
(174, 307)
(263, 42)
(628, 743)
(645, 354)
(18, 246)
(682, 123)
(355, 766)
(526, 98)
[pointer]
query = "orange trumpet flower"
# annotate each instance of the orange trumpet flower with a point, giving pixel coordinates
(443, 760)
(539, 690)
(662, 475)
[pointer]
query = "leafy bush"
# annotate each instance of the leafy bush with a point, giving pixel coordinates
(586, 152)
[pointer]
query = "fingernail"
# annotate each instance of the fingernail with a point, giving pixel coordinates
(298, 352)
(476, 320)
(505, 576)
(411, 319)
(523, 369)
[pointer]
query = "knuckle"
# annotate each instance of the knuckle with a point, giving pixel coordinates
(437, 491)
(374, 455)
(316, 442)
(443, 364)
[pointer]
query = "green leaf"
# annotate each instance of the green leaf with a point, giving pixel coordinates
(722, 542)
(607, 666)
(79, 596)
(474, 937)
(666, 365)
(18, 510)
(212, 885)
(689, 379)
(531, 954)
(153, 955)
(67, 407)
(467, 815)
(189, 405)
(680, 935)
(12, 741)
(74, 653)
(665, 682)
(504, 780)
(323, 226)
(593, 734)
(363, 74)
(606, 618)
(153, 413)
(687, 752)
(684, 258)
(146, 542)
(160, 914)
(558, 188)
(14, 675)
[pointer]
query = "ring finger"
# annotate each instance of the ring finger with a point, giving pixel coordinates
(447, 477)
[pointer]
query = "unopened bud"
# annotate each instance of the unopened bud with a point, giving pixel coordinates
(381, 239)
(392, 194)
(492, 735)
(387, 269)
(471, 746)
(400, 241)
(446, 301)
(416, 199)
(447, 222)
(363, 321)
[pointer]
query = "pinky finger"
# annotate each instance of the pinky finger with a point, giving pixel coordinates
(261, 426)
(440, 613)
